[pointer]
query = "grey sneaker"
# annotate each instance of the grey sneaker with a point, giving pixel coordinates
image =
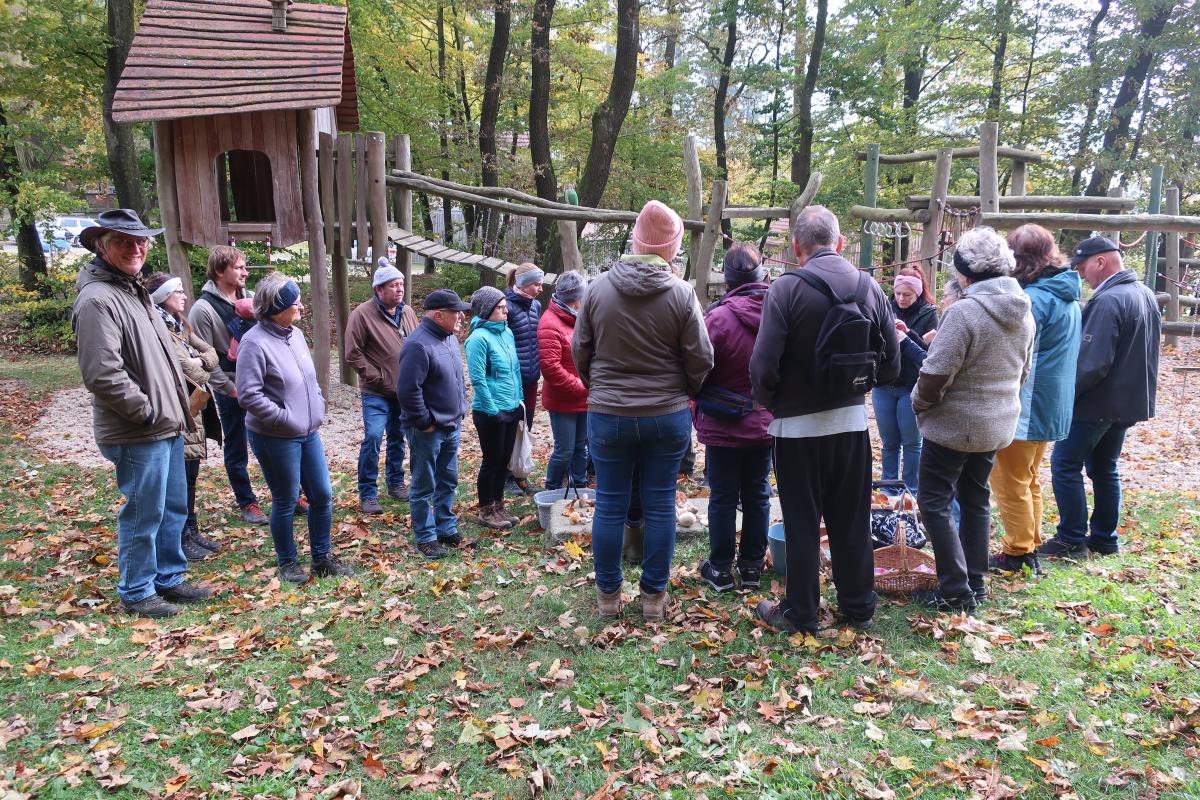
(774, 616)
(252, 513)
(329, 566)
(185, 592)
(152, 606)
(192, 549)
(292, 572)
(370, 505)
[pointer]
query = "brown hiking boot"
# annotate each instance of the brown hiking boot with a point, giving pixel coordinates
(502, 513)
(488, 518)
(654, 605)
(608, 603)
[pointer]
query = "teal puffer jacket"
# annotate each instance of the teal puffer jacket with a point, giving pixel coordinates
(493, 367)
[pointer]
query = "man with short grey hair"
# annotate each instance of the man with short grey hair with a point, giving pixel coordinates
(822, 448)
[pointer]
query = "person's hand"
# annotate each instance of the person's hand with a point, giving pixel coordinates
(930, 336)
(901, 328)
(232, 390)
(427, 430)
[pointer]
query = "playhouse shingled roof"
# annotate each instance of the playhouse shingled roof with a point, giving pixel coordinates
(193, 58)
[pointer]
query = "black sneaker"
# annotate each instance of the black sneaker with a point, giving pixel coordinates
(720, 580)
(204, 541)
(370, 505)
(858, 623)
(152, 606)
(773, 614)
(934, 601)
(1103, 549)
(192, 549)
(292, 572)
(185, 592)
(399, 492)
(750, 577)
(1057, 548)
(1003, 562)
(434, 549)
(452, 540)
(980, 593)
(329, 566)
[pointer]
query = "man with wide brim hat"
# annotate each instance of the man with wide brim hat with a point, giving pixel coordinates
(139, 413)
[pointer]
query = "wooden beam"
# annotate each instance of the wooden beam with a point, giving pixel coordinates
(306, 121)
(989, 174)
(872, 214)
(1185, 301)
(866, 243)
(168, 206)
(695, 196)
(1174, 329)
(1171, 269)
(1035, 202)
(956, 152)
(377, 196)
(1094, 222)
(341, 290)
(935, 208)
(708, 242)
(402, 196)
(754, 212)
(815, 179)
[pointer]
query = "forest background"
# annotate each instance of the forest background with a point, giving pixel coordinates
(551, 94)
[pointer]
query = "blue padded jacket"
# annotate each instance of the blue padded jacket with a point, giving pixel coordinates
(523, 315)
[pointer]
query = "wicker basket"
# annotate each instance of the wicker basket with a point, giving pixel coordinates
(901, 561)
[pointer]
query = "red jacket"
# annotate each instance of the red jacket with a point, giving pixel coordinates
(562, 390)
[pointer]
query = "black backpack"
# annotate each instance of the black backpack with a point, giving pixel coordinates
(849, 343)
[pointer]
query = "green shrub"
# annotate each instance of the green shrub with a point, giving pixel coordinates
(40, 320)
(459, 277)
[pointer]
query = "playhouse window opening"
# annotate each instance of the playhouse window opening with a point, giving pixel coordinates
(245, 187)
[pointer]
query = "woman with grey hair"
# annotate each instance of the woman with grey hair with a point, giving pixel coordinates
(967, 400)
(277, 385)
(563, 393)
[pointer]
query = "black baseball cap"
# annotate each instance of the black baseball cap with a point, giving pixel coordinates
(444, 298)
(1091, 247)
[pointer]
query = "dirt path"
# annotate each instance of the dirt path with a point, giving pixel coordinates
(1163, 453)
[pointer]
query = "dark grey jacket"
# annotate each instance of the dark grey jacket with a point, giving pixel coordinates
(781, 368)
(1117, 375)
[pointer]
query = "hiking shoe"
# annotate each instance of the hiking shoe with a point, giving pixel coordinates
(654, 605)
(719, 580)
(858, 623)
(153, 606)
(399, 492)
(451, 540)
(252, 513)
(292, 572)
(608, 603)
(185, 592)
(1003, 562)
(773, 614)
(935, 601)
(1103, 549)
(302, 505)
(434, 549)
(1057, 548)
(503, 513)
(330, 567)
(202, 540)
(488, 518)
(192, 549)
(750, 577)
(370, 505)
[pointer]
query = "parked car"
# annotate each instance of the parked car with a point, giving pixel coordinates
(53, 237)
(73, 226)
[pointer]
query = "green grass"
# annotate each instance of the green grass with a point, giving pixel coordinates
(41, 374)
(407, 676)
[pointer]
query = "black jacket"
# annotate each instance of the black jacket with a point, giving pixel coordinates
(429, 382)
(1117, 374)
(921, 318)
(781, 366)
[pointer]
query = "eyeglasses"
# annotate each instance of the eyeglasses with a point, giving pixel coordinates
(130, 243)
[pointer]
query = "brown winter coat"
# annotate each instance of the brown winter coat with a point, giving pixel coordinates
(127, 360)
(373, 346)
(198, 369)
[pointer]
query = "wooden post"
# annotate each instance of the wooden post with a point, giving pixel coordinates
(1116, 192)
(937, 208)
(708, 241)
(695, 196)
(341, 288)
(989, 177)
(344, 187)
(377, 196)
(1016, 182)
(1172, 266)
(168, 205)
(403, 197)
(568, 240)
(362, 238)
(866, 244)
(1153, 207)
(306, 121)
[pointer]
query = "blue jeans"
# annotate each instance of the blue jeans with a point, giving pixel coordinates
(288, 465)
(433, 462)
(233, 430)
(149, 553)
(738, 474)
(1094, 446)
(655, 445)
(898, 428)
(570, 449)
(380, 415)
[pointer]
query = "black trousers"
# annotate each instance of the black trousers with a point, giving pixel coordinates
(830, 477)
(191, 468)
(962, 552)
(497, 434)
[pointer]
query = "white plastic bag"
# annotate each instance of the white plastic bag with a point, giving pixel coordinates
(520, 463)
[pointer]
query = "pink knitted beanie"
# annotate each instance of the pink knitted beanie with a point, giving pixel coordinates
(658, 230)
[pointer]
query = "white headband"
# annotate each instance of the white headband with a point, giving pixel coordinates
(529, 277)
(163, 292)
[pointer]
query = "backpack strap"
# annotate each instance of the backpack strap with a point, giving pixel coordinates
(817, 282)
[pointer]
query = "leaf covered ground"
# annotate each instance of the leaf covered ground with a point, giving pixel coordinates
(489, 675)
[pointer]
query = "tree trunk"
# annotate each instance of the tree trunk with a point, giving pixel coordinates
(1004, 9)
(1149, 30)
(539, 127)
(462, 122)
(776, 108)
(1093, 96)
(721, 100)
(799, 54)
(802, 156)
(672, 45)
(118, 138)
(1141, 129)
(31, 266)
(443, 128)
(610, 114)
(488, 114)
